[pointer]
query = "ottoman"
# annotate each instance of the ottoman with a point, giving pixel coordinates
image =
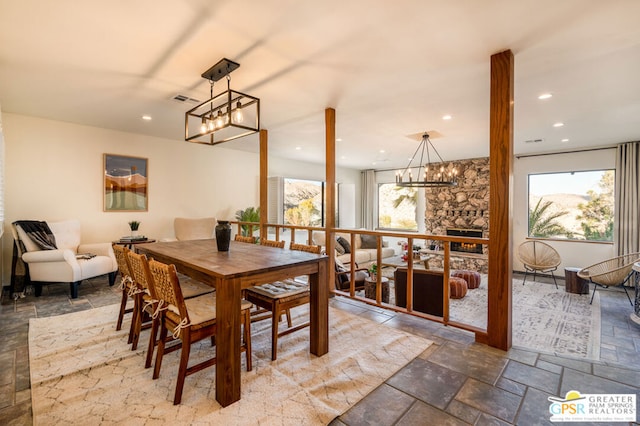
(457, 288)
(471, 277)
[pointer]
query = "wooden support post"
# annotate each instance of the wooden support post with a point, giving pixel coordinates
(500, 199)
(330, 220)
(264, 185)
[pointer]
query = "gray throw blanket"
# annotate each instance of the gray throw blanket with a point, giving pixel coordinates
(39, 233)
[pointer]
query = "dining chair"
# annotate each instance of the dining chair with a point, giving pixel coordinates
(127, 286)
(271, 243)
(243, 239)
(280, 297)
(147, 303)
(190, 320)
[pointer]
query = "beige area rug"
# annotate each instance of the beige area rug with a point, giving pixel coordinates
(82, 372)
(545, 319)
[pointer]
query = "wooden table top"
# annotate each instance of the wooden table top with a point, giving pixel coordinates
(242, 259)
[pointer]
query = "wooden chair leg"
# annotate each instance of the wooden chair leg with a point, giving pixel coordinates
(288, 313)
(184, 361)
(247, 338)
(123, 307)
(160, 351)
(137, 324)
(134, 318)
(153, 339)
(274, 331)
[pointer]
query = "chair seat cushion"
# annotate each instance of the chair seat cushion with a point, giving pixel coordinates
(192, 288)
(201, 309)
(280, 289)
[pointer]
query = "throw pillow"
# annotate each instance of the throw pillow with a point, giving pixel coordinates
(345, 244)
(369, 241)
(339, 248)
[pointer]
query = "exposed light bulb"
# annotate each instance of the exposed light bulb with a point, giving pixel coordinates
(219, 120)
(238, 116)
(203, 126)
(212, 125)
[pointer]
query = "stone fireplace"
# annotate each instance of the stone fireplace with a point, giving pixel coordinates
(465, 247)
(463, 207)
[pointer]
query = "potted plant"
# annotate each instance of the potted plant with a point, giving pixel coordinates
(250, 214)
(373, 270)
(134, 225)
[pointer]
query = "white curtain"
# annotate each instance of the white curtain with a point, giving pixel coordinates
(368, 199)
(627, 211)
(1, 176)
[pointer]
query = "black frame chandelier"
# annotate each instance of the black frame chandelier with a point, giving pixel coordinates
(430, 174)
(224, 117)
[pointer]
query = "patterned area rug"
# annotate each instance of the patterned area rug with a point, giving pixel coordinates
(545, 319)
(82, 372)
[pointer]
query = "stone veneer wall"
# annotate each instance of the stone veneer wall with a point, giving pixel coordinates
(463, 206)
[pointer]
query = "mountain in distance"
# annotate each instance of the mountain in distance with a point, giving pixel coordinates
(564, 202)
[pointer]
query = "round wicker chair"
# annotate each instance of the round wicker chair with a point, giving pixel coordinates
(610, 273)
(537, 256)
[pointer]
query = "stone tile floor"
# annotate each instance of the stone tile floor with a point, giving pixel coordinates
(455, 381)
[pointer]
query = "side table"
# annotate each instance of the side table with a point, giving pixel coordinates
(573, 283)
(131, 243)
(370, 288)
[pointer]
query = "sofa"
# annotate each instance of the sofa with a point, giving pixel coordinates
(70, 262)
(428, 290)
(364, 250)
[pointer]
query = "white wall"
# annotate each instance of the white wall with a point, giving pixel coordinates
(54, 171)
(573, 254)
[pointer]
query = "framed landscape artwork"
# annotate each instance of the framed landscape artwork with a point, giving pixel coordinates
(125, 183)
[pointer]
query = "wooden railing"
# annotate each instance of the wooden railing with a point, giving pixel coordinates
(411, 240)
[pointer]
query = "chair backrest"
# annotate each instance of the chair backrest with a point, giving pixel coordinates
(538, 255)
(139, 273)
(612, 271)
(428, 291)
(123, 260)
(305, 247)
(167, 287)
(194, 229)
(243, 239)
(271, 243)
(66, 233)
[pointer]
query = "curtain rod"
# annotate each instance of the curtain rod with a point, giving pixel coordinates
(567, 152)
(601, 148)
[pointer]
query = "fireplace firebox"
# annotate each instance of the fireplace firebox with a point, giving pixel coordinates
(465, 247)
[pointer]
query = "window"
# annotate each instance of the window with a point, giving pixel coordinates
(303, 202)
(572, 205)
(397, 207)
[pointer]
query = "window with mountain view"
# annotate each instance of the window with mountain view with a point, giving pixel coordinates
(397, 207)
(303, 202)
(572, 205)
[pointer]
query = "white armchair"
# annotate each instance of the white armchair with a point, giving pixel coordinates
(65, 263)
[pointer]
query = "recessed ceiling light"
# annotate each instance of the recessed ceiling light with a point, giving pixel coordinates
(373, 164)
(447, 117)
(382, 151)
(565, 140)
(545, 96)
(558, 124)
(344, 157)
(298, 148)
(339, 140)
(146, 117)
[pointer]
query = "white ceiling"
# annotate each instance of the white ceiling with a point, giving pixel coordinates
(389, 69)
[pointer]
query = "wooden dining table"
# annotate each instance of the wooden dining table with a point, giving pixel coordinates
(243, 266)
